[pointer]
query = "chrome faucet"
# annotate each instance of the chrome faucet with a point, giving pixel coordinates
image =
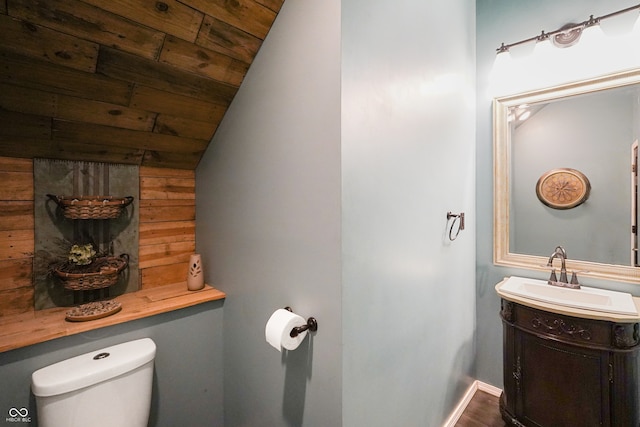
(563, 282)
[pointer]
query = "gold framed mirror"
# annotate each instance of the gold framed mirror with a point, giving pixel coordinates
(600, 233)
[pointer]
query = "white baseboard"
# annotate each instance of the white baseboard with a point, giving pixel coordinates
(488, 388)
(477, 385)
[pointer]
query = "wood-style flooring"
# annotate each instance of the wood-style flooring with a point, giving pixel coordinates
(482, 411)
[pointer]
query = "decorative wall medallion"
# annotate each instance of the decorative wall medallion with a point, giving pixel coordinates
(563, 188)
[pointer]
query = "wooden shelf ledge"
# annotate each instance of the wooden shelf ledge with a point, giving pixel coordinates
(44, 325)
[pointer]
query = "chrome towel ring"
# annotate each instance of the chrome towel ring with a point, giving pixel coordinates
(457, 218)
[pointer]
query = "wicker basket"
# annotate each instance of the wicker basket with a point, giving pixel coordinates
(107, 276)
(91, 207)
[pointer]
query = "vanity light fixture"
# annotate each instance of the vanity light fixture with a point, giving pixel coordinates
(573, 52)
(569, 34)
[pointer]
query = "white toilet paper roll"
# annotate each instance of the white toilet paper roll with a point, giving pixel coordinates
(278, 330)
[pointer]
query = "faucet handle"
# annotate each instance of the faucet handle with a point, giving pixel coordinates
(574, 278)
(553, 279)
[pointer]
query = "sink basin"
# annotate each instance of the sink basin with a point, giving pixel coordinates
(585, 298)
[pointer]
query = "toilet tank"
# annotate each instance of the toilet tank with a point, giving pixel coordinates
(108, 387)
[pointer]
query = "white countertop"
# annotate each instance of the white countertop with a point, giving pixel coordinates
(569, 311)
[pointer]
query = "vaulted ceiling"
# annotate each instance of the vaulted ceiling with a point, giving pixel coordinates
(141, 82)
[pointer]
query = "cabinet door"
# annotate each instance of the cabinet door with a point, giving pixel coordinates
(561, 385)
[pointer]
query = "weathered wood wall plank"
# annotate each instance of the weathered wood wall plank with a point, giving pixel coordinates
(165, 275)
(186, 128)
(90, 23)
(16, 244)
(246, 15)
(15, 215)
(15, 273)
(165, 254)
(37, 102)
(167, 210)
(168, 16)
(274, 5)
(16, 301)
(221, 37)
(167, 173)
(151, 99)
(69, 150)
(22, 146)
(8, 164)
(16, 186)
(118, 137)
(203, 61)
(36, 74)
(16, 235)
(14, 124)
(124, 66)
(153, 233)
(167, 224)
(40, 42)
(160, 188)
(163, 159)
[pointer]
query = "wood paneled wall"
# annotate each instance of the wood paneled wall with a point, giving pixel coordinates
(16, 236)
(141, 82)
(167, 230)
(167, 225)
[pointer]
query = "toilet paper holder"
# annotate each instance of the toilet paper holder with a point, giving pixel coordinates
(312, 325)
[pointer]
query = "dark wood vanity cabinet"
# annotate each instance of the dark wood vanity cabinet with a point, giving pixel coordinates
(562, 371)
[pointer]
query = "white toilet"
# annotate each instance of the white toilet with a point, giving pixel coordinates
(105, 388)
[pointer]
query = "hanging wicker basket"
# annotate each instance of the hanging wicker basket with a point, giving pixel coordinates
(91, 207)
(107, 275)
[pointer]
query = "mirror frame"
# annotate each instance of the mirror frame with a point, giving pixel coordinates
(501, 178)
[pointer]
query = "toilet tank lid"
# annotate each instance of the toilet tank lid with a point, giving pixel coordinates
(92, 368)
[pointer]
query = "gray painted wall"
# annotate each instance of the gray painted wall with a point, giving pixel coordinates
(407, 159)
(187, 385)
(268, 221)
(509, 21)
(326, 188)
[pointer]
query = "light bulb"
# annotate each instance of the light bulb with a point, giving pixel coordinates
(524, 116)
(622, 50)
(502, 73)
(593, 53)
(592, 37)
(634, 41)
(540, 65)
(635, 32)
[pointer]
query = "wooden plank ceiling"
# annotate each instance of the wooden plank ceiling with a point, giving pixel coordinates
(141, 82)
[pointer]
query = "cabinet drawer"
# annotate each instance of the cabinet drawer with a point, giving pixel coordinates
(576, 331)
